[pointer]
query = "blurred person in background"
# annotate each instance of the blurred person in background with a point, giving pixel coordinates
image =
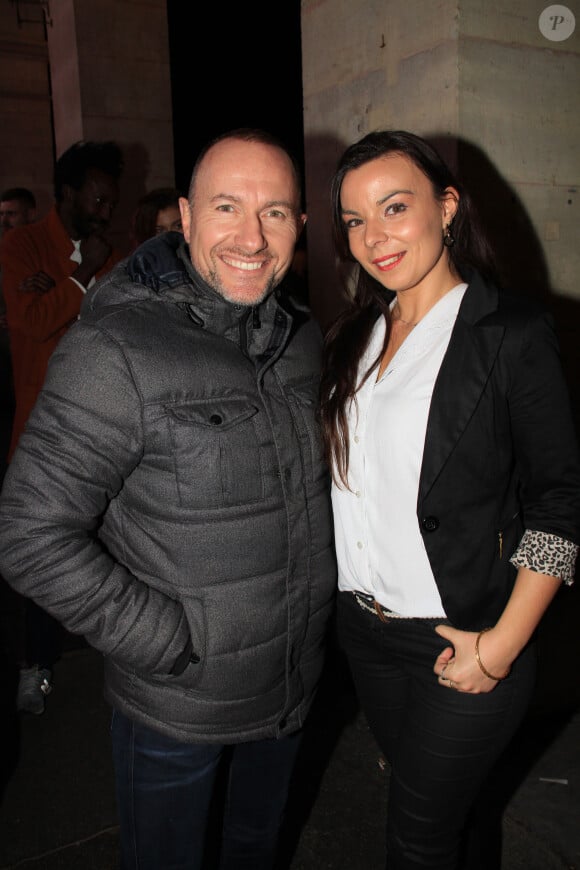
(47, 267)
(157, 212)
(17, 208)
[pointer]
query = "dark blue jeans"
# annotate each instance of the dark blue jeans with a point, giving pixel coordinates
(441, 744)
(165, 789)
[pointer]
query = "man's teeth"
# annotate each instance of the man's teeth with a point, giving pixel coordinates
(242, 264)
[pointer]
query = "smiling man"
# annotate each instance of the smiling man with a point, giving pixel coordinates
(172, 477)
(243, 218)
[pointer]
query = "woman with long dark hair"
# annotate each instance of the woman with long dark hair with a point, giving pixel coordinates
(456, 486)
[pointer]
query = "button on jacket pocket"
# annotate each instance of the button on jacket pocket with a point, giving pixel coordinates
(212, 440)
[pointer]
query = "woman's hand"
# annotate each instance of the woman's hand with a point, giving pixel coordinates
(457, 667)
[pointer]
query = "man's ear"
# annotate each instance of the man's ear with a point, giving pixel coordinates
(185, 216)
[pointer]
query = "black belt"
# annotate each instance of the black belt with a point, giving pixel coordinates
(367, 602)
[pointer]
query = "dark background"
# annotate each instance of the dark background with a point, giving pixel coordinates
(234, 65)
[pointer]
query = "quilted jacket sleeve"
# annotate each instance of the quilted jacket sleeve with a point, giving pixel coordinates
(82, 440)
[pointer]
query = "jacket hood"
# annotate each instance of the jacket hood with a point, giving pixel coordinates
(154, 270)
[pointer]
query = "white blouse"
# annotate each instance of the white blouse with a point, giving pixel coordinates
(379, 546)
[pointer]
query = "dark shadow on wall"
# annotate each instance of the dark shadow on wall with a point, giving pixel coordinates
(520, 259)
(327, 279)
(136, 170)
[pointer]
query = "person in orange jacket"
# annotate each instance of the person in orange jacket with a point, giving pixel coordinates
(47, 266)
(17, 208)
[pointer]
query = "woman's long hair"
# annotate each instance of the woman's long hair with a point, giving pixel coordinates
(348, 336)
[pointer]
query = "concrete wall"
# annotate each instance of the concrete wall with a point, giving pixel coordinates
(480, 79)
(477, 76)
(26, 143)
(519, 100)
(110, 79)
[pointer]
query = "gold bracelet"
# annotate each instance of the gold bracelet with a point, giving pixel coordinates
(480, 663)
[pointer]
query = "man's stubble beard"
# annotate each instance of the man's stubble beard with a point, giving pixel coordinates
(213, 280)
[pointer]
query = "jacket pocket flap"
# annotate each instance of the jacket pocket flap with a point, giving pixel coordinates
(214, 413)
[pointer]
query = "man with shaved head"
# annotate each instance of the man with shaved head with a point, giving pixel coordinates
(169, 501)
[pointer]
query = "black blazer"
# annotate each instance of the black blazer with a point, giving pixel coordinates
(501, 453)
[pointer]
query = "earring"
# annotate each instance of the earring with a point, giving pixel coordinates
(448, 239)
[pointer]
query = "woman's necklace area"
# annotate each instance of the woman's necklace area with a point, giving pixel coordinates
(396, 312)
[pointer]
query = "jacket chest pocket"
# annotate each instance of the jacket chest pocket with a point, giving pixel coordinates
(216, 453)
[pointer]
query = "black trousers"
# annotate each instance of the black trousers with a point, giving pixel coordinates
(441, 744)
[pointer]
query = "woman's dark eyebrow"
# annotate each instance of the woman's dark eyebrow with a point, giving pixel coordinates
(380, 201)
(393, 193)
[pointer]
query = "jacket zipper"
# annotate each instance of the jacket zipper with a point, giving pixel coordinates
(243, 327)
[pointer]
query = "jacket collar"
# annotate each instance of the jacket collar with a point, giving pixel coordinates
(465, 370)
(163, 265)
(481, 299)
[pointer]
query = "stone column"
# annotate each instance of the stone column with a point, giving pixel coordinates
(110, 76)
(493, 86)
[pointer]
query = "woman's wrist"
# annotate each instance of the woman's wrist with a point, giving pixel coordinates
(479, 661)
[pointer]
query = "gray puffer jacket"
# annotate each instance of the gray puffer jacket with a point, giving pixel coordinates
(169, 495)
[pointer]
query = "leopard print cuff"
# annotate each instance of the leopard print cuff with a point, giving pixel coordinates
(546, 554)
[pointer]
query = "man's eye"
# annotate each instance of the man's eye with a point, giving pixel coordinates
(225, 206)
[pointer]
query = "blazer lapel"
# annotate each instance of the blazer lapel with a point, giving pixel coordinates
(461, 380)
